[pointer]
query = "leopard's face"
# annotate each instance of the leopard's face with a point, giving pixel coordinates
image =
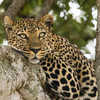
(31, 37)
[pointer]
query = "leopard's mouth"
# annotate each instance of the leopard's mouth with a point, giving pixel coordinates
(30, 56)
(34, 61)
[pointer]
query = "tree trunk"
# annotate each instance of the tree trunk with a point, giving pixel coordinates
(19, 78)
(97, 64)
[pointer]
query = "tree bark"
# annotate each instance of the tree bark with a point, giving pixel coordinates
(97, 64)
(19, 78)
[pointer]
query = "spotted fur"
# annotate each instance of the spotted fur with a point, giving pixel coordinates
(69, 74)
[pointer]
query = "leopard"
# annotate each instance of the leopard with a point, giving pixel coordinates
(69, 74)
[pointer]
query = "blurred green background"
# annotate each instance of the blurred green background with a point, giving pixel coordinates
(78, 29)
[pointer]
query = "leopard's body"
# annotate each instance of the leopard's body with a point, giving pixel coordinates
(69, 74)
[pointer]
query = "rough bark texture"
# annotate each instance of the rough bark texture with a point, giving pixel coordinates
(97, 64)
(19, 78)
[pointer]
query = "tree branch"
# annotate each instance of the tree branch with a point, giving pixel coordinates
(46, 7)
(19, 79)
(14, 8)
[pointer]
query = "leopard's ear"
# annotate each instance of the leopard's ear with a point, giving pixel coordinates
(47, 20)
(8, 20)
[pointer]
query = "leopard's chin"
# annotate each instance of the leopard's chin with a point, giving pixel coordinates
(34, 61)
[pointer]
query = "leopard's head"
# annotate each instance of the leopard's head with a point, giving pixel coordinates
(32, 37)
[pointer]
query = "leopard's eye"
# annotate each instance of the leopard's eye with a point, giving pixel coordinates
(22, 35)
(42, 34)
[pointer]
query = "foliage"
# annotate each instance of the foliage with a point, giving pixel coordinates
(2, 33)
(78, 32)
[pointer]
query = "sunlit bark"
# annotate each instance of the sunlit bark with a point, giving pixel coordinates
(18, 77)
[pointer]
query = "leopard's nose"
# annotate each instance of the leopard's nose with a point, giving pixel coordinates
(35, 50)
